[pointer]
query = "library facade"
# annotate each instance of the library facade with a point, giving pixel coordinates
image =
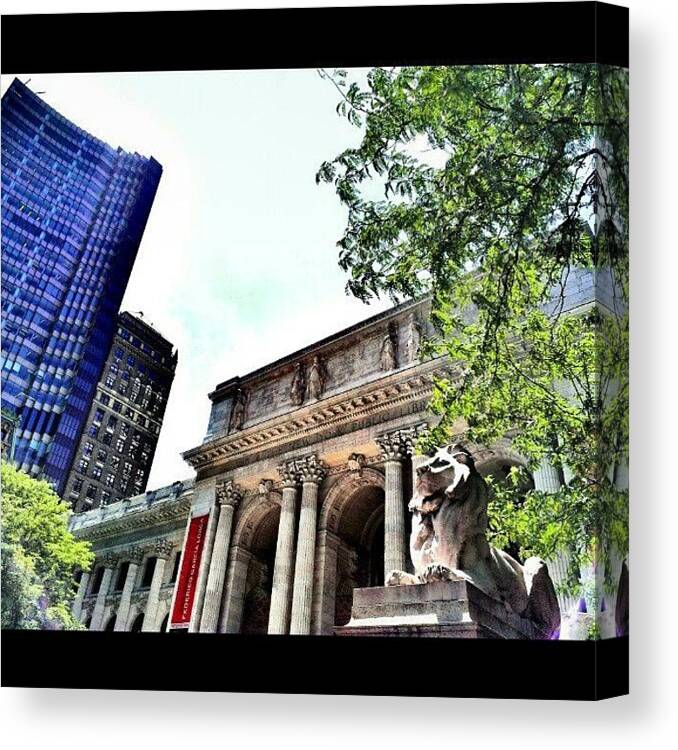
(300, 495)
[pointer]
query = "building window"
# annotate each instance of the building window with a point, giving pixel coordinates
(117, 406)
(96, 472)
(77, 485)
(122, 574)
(96, 583)
(91, 492)
(110, 479)
(83, 465)
(93, 430)
(148, 572)
(175, 569)
(110, 381)
(119, 445)
(107, 438)
(87, 449)
(105, 497)
(115, 463)
(102, 455)
(98, 416)
(138, 623)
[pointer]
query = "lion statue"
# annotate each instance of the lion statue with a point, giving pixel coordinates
(449, 541)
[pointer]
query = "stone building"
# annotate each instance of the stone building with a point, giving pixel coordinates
(300, 494)
(138, 544)
(114, 456)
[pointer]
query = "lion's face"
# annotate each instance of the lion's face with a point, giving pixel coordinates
(439, 476)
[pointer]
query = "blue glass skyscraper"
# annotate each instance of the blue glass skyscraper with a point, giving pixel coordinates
(74, 211)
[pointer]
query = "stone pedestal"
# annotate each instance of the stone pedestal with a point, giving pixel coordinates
(445, 609)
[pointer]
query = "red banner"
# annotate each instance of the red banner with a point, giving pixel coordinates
(188, 577)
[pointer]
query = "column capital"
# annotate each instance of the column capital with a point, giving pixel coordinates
(229, 493)
(134, 555)
(162, 548)
(412, 434)
(311, 469)
(393, 445)
(288, 474)
(110, 560)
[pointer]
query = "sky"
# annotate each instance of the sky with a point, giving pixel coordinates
(238, 264)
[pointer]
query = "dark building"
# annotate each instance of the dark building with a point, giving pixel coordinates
(118, 443)
(74, 211)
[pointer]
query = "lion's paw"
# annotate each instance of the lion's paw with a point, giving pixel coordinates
(400, 578)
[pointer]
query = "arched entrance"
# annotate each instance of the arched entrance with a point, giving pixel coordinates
(259, 582)
(110, 625)
(247, 596)
(350, 546)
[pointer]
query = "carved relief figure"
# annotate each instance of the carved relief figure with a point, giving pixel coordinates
(238, 413)
(298, 388)
(355, 463)
(387, 357)
(316, 379)
(449, 542)
(413, 338)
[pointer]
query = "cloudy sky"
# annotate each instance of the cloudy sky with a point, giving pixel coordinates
(238, 265)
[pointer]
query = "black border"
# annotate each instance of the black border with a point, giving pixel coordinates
(571, 670)
(583, 32)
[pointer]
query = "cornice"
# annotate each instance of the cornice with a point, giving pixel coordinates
(141, 519)
(412, 385)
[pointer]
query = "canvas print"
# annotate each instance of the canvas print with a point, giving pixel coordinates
(338, 352)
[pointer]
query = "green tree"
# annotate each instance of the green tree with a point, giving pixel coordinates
(39, 554)
(498, 190)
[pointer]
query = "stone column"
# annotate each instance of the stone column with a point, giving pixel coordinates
(161, 550)
(135, 557)
(324, 588)
(76, 609)
(311, 472)
(228, 497)
(283, 569)
(547, 479)
(394, 449)
(110, 563)
(234, 599)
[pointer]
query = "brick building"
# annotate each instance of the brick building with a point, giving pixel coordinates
(116, 450)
